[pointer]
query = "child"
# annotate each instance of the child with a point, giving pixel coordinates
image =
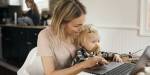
(88, 44)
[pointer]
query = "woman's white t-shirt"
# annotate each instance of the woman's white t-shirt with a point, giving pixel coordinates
(50, 45)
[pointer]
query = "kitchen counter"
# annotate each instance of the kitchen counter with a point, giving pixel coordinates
(20, 26)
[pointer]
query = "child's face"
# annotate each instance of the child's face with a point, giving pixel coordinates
(92, 40)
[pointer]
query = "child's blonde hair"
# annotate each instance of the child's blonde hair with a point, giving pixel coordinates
(85, 31)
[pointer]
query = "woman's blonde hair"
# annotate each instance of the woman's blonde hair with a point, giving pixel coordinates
(64, 12)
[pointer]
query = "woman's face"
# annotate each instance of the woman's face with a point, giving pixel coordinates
(92, 41)
(74, 27)
(28, 4)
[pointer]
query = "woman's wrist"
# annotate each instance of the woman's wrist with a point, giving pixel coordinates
(80, 66)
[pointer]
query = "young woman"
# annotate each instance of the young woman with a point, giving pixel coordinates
(55, 43)
(33, 13)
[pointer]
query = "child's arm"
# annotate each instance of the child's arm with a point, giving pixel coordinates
(107, 55)
(111, 56)
(80, 56)
(104, 61)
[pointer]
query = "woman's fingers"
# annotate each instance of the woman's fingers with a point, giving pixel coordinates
(93, 61)
(105, 61)
(90, 62)
(101, 60)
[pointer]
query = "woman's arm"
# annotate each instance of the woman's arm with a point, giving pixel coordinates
(49, 68)
(44, 50)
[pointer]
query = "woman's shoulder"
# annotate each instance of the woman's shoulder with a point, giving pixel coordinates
(46, 32)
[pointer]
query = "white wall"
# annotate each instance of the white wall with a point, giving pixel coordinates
(14, 2)
(118, 24)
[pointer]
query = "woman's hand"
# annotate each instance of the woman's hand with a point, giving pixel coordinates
(117, 58)
(90, 62)
(93, 61)
(103, 61)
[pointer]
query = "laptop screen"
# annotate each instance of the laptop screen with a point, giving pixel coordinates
(143, 61)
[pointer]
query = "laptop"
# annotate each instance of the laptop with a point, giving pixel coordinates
(144, 61)
(113, 68)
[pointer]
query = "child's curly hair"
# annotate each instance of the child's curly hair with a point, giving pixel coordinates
(85, 31)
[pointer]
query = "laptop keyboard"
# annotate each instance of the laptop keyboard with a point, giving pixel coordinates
(121, 70)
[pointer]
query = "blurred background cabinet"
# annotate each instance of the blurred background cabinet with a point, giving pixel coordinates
(17, 42)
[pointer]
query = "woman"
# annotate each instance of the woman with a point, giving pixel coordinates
(55, 43)
(33, 13)
(24, 20)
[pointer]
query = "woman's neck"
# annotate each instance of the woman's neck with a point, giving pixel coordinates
(69, 38)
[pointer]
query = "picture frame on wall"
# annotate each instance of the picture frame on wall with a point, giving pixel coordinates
(145, 18)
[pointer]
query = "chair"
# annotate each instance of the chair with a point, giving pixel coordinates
(32, 64)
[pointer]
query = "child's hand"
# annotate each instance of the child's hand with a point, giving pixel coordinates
(103, 61)
(117, 58)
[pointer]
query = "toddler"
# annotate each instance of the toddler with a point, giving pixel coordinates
(88, 45)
